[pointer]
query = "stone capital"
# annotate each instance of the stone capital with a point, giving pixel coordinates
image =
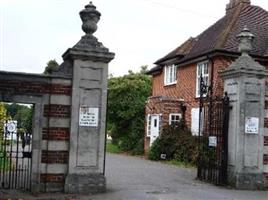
(95, 56)
(244, 66)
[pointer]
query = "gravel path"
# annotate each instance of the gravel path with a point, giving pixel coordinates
(133, 178)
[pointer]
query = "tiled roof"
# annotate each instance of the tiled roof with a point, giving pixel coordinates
(182, 50)
(222, 35)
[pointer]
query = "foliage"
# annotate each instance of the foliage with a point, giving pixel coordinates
(126, 103)
(207, 153)
(52, 65)
(187, 149)
(177, 144)
(3, 117)
(155, 150)
(4, 162)
(178, 163)
(112, 148)
(23, 114)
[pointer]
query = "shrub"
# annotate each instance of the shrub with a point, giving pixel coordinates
(186, 148)
(177, 143)
(154, 153)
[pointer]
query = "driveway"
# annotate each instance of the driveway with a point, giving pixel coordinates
(134, 178)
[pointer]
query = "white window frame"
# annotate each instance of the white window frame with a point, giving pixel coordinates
(160, 123)
(195, 122)
(174, 114)
(149, 125)
(170, 77)
(200, 69)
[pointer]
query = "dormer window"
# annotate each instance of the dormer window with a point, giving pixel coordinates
(170, 75)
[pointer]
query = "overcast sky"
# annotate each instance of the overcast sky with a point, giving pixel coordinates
(138, 31)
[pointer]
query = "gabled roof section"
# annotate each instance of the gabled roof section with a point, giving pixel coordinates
(222, 35)
(179, 51)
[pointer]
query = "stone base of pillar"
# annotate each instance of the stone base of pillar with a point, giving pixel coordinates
(247, 181)
(85, 183)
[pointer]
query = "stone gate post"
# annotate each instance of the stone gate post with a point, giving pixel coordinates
(244, 81)
(88, 62)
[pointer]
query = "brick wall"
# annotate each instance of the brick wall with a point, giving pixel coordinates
(266, 122)
(265, 176)
(54, 133)
(265, 159)
(30, 87)
(164, 106)
(58, 111)
(52, 97)
(52, 178)
(54, 157)
(186, 84)
(265, 140)
(266, 103)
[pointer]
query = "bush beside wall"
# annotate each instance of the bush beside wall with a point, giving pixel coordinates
(177, 144)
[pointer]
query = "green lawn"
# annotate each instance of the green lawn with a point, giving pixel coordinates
(111, 148)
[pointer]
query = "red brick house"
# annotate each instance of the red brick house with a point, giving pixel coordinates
(175, 93)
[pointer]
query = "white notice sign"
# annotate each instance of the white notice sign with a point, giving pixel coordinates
(252, 125)
(88, 116)
(212, 141)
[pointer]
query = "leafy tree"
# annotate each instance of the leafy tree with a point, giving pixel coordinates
(126, 106)
(144, 69)
(3, 117)
(52, 65)
(23, 114)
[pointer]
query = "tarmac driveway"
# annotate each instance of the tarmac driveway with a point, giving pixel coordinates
(133, 178)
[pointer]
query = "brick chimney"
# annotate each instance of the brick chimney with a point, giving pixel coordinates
(234, 3)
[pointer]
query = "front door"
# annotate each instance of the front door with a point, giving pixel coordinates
(154, 128)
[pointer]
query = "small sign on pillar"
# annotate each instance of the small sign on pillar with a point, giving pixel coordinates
(212, 141)
(252, 125)
(88, 116)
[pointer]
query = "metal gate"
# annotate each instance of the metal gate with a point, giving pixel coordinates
(15, 158)
(213, 138)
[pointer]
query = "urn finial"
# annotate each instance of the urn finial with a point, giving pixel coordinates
(90, 17)
(245, 39)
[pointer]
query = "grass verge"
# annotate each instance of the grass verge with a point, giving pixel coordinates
(111, 148)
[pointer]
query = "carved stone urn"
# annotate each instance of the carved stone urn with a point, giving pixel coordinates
(90, 17)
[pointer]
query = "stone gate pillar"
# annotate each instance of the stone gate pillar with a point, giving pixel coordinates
(88, 62)
(244, 81)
